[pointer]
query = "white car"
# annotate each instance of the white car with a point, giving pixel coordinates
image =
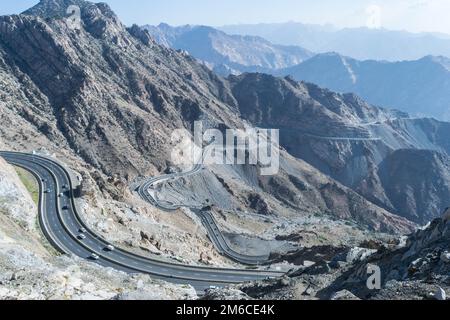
(61, 195)
(81, 237)
(94, 256)
(110, 248)
(82, 230)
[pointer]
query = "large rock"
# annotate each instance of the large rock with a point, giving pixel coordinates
(344, 295)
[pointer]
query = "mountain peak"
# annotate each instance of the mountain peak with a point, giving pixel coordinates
(97, 18)
(54, 8)
(59, 8)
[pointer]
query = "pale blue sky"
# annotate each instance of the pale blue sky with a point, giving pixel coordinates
(411, 15)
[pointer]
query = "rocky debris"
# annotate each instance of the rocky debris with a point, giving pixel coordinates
(405, 290)
(30, 270)
(259, 289)
(157, 291)
(258, 204)
(142, 93)
(295, 237)
(358, 254)
(372, 244)
(440, 295)
(310, 256)
(73, 279)
(151, 240)
(205, 259)
(344, 295)
(445, 256)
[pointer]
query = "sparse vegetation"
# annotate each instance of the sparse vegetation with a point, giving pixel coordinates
(29, 181)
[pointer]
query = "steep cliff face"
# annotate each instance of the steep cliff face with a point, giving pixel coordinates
(420, 87)
(107, 98)
(102, 92)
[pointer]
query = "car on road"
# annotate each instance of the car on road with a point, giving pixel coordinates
(81, 237)
(94, 256)
(82, 230)
(110, 248)
(48, 191)
(61, 195)
(65, 208)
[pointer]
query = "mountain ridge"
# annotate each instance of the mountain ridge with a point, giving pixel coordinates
(227, 53)
(360, 43)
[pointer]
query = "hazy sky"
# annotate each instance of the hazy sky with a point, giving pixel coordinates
(411, 15)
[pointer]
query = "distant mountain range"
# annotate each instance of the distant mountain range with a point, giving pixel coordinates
(421, 87)
(227, 54)
(359, 43)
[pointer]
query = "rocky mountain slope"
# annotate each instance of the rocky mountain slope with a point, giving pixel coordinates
(30, 269)
(415, 268)
(109, 97)
(228, 54)
(359, 43)
(419, 87)
(353, 142)
(415, 182)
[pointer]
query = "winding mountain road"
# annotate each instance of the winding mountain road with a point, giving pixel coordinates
(214, 233)
(66, 231)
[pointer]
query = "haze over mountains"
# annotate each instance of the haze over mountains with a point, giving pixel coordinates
(227, 54)
(112, 97)
(358, 43)
(420, 87)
